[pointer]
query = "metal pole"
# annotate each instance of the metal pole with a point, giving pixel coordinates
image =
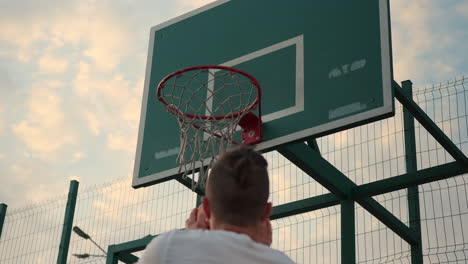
(430, 126)
(68, 223)
(411, 166)
(3, 210)
(348, 244)
(112, 257)
(98, 246)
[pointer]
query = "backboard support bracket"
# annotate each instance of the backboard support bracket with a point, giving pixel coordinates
(429, 125)
(308, 158)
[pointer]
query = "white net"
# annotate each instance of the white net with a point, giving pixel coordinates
(208, 104)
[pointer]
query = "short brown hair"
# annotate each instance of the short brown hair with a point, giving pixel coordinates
(238, 187)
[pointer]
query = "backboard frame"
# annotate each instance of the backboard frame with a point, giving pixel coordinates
(385, 111)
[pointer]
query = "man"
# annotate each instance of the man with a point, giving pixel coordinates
(235, 210)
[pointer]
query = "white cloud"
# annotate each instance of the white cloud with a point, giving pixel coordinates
(412, 36)
(20, 172)
(188, 5)
(109, 103)
(2, 156)
(423, 48)
(77, 156)
(93, 123)
(32, 181)
(15, 33)
(115, 90)
(108, 90)
(45, 130)
(82, 81)
(107, 44)
(131, 111)
(74, 177)
(52, 64)
(462, 8)
(2, 119)
(121, 142)
(105, 40)
(90, 41)
(21, 36)
(91, 29)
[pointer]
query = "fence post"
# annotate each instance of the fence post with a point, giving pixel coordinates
(411, 166)
(348, 245)
(68, 223)
(3, 210)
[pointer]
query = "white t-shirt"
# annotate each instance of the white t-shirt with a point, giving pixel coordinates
(199, 246)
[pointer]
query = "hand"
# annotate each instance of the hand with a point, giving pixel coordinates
(266, 234)
(197, 220)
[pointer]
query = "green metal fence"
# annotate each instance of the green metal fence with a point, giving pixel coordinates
(32, 234)
(308, 218)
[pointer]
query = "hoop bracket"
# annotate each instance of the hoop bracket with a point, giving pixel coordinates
(251, 129)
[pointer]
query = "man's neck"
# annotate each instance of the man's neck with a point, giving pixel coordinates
(249, 231)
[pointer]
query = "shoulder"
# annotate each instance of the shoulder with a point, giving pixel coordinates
(270, 255)
(156, 250)
(279, 257)
(223, 245)
(240, 246)
(161, 248)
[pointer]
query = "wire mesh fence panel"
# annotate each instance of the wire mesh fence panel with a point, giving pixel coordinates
(289, 183)
(115, 213)
(375, 243)
(444, 220)
(444, 204)
(32, 234)
(368, 153)
(377, 151)
(312, 237)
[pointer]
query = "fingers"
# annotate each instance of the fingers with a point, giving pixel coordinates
(197, 220)
(202, 220)
(200, 217)
(190, 223)
(193, 214)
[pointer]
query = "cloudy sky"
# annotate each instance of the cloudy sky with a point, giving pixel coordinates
(71, 80)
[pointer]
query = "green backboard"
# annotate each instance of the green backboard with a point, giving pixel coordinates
(324, 66)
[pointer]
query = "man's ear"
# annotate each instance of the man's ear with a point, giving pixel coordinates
(266, 211)
(206, 207)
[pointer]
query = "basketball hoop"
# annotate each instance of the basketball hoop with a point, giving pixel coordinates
(210, 102)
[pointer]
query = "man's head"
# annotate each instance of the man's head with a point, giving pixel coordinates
(238, 187)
